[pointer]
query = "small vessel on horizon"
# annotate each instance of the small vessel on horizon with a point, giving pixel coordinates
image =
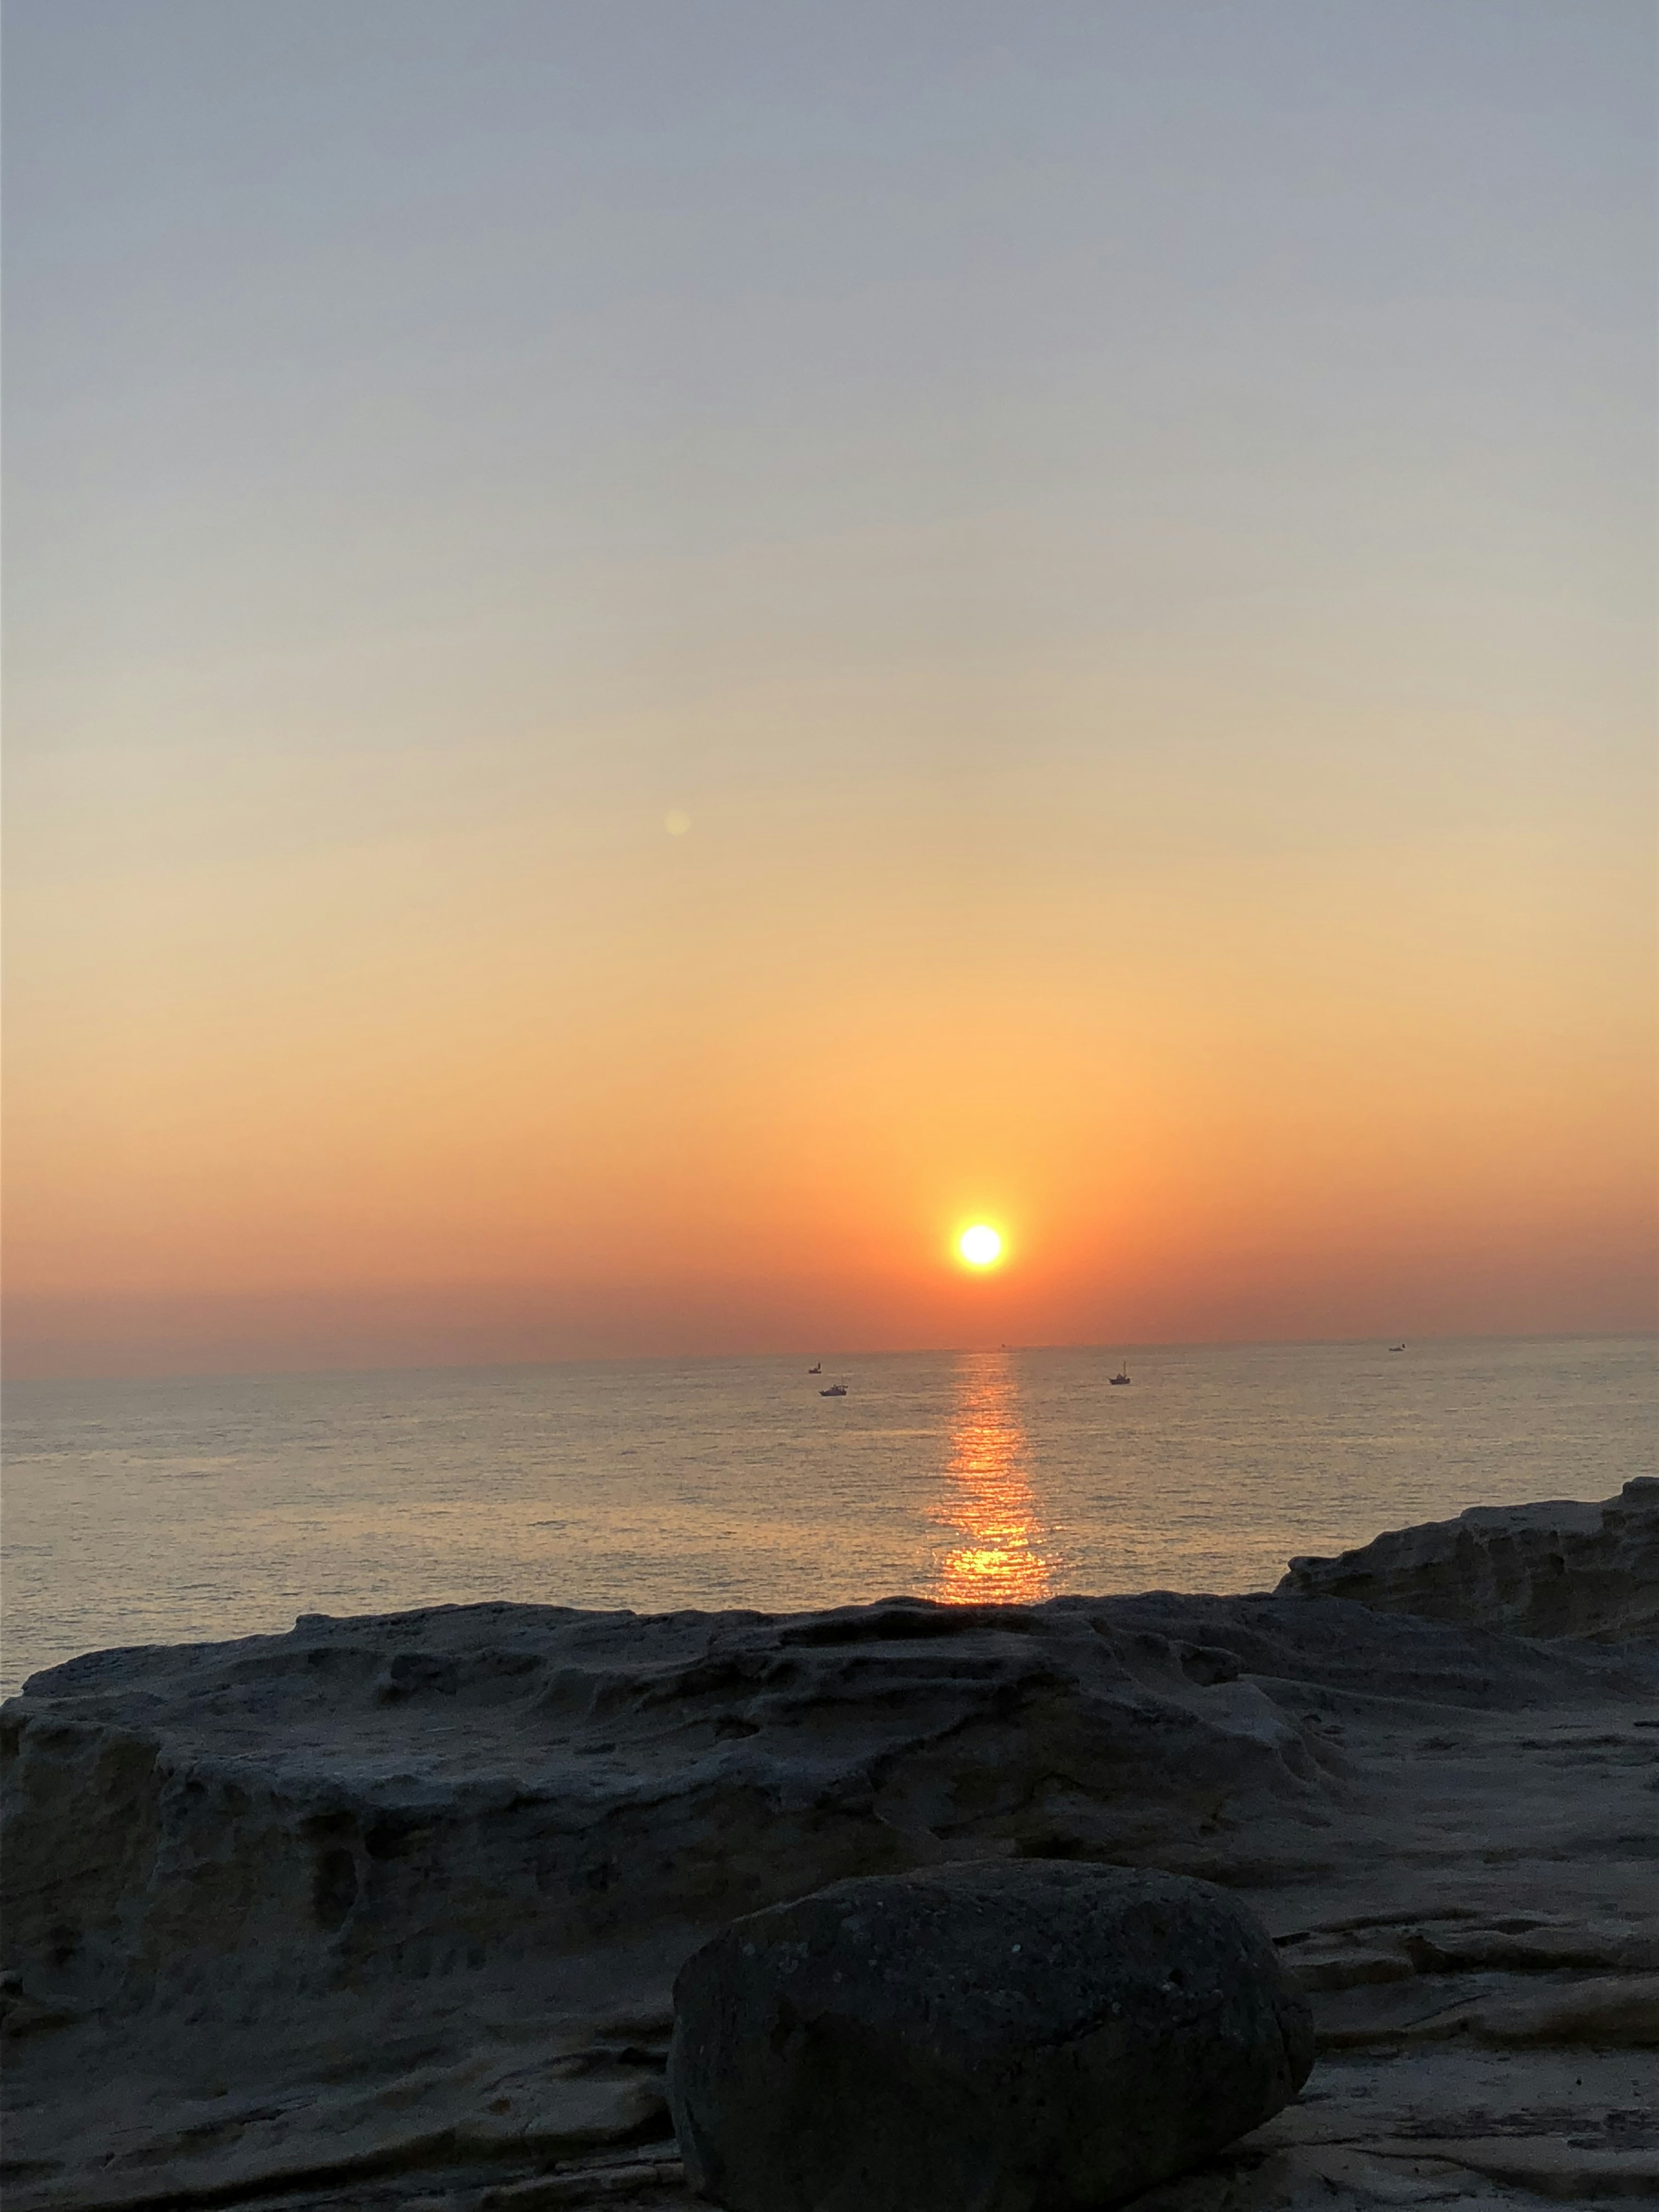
(1123, 1376)
(836, 1390)
(1401, 1346)
(818, 1370)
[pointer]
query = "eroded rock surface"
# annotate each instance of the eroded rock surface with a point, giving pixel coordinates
(1563, 1568)
(1025, 2037)
(390, 1909)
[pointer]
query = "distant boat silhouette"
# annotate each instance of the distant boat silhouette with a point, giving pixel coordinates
(836, 1390)
(1123, 1376)
(818, 1370)
(1397, 1347)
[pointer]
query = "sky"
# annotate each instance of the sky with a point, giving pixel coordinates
(657, 653)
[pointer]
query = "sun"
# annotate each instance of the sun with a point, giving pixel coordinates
(980, 1245)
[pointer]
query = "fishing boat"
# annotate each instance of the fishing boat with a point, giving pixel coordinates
(836, 1390)
(1123, 1376)
(1396, 1347)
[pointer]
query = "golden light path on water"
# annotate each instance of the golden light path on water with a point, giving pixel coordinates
(988, 1498)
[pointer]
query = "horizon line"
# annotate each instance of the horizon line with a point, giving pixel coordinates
(1112, 1346)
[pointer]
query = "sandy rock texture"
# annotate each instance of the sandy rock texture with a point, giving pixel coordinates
(1564, 1569)
(388, 1911)
(1031, 2035)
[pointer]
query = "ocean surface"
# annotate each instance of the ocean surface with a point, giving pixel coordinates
(144, 1512)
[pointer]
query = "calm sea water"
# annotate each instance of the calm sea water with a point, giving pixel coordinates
(169, 1512)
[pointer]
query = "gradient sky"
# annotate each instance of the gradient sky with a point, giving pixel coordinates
(1125, 530)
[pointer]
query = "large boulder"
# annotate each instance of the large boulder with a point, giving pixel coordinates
(1561, 1569)
(1004, 2036)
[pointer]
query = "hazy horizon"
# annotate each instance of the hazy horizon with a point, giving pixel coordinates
(826, 1356)
(654, 656)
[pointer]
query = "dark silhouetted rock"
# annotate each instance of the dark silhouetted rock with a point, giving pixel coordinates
(995, 2038)
(405, 1895)
(1564, 1569)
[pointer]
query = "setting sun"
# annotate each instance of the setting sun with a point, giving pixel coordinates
(980, 1245)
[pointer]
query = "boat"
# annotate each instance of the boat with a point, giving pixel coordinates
(1123, 1376)
(818, 1370)
(836, 1390)
(1396, 1347)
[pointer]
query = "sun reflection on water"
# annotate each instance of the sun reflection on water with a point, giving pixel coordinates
(988, 1500)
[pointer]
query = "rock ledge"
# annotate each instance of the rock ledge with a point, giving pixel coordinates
(1561, 1569)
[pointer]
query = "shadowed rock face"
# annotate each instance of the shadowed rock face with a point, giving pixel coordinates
(423, 1794)
(1557, 1570)
(409, 1893)
(436, 1793)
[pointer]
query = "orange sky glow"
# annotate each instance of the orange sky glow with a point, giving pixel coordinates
(563, 804)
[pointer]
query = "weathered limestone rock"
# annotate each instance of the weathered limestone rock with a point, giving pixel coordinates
(421, 1800)
(1564, 1569)
(1027, 2038)
(414, 1798)
(393, 1906)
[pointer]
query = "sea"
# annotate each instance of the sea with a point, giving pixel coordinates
(177, 1511)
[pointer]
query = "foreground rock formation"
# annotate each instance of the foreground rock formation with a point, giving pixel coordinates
(1023, 2036)
(388, 1909)
(1564, 1569)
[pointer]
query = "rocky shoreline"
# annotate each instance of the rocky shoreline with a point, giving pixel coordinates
(387, 1911)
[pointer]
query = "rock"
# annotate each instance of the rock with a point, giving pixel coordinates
(403, 1897)
(981, 2039)
(256, 1822)
(1563, 1568)
(254, 1829)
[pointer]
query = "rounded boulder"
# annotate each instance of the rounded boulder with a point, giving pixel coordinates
(1025, 2037)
